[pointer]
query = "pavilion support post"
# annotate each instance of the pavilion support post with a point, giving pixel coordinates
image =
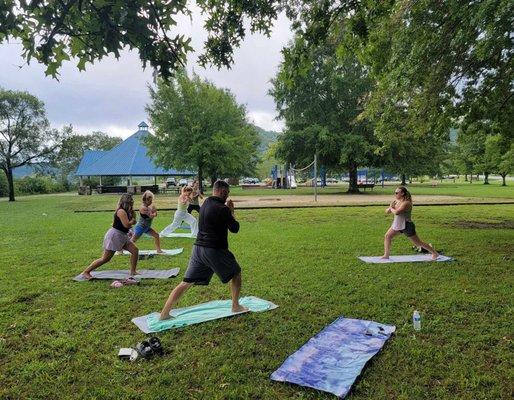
(100, 180)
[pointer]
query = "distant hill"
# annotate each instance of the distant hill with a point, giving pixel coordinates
(266, 137)
(31, 169)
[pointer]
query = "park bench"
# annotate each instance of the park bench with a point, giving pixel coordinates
(365, 186)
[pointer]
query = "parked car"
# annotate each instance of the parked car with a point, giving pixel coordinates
(251, 181)
(170, 182)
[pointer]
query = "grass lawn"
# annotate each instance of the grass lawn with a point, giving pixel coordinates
(59, 338)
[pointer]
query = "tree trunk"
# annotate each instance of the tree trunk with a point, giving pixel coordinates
(213, 179)
(200, 179)
(503, 178)
(403, 180)
(486, 178)
(471, 178)
(352, 172)
(465, 177)
(10, 181)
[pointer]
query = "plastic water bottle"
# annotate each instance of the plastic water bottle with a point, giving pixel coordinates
(416, 320)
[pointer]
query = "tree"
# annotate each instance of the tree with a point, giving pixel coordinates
(320, 95)
(25, 135)
(72, 150)
(88, 30)
(434, 63)
(201, 127)
(499, 155)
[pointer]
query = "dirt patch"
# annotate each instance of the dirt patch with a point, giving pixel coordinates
(505, 224)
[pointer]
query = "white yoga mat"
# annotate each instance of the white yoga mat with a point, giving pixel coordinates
(124, 274)
(405, 259)
(179, 235)
(170, 252)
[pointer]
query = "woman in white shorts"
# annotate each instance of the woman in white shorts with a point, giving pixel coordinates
(182, 215)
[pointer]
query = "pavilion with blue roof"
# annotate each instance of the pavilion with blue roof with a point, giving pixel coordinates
(128, 159)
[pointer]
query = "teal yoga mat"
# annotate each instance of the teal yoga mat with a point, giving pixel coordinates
(216, 309)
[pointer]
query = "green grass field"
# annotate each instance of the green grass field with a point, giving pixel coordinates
(59, 338)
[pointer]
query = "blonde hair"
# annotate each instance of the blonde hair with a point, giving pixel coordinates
(406, 194)
(126, 203)
(186, 189)
(147, 195)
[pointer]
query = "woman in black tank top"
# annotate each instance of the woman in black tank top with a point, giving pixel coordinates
(117, 237)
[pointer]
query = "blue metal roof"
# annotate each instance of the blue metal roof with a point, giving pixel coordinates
(89, 157)
(129, 158)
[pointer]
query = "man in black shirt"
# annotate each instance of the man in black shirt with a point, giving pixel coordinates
(210, 252)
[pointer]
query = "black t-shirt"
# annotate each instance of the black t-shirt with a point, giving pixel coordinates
(214, 223)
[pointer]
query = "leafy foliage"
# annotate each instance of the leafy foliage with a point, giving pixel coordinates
(25, 134)
(54, 31)
(201, 127)
(321, 94)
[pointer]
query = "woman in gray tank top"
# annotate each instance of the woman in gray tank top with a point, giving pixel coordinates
(401, 207)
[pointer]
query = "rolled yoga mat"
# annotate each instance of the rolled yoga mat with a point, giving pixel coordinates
(124, 274)
(216, 309)
(405, 259)
(332, 360)
(170, 252)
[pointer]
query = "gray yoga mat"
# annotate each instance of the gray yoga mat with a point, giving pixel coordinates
(124, 274)
(170, 252)
(405, 259)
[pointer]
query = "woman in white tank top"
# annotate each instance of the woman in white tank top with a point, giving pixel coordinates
(401, 207)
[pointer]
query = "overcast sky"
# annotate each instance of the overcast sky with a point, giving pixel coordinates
(111, 95)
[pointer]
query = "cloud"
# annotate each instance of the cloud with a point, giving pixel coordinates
(111, 94)
(265, 120)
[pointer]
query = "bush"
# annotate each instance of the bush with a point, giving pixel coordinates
(4, 187)
(38, 185)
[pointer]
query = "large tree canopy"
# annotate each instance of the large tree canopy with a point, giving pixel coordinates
(320, 94)
(200, 127)
(53, 31)
(25, 134)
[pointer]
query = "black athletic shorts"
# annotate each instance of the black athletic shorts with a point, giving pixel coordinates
(192, 207)
(206, 261)
(410, 229)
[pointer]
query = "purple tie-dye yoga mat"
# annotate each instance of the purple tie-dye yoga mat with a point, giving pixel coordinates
(335, 357)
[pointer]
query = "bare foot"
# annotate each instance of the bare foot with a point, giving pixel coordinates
(87, 275)
(239, 308)
(384, 258)
(435, 256)
(134, 273)
(160, 251)
(164, 317)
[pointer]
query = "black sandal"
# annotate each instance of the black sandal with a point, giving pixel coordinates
(156, 345)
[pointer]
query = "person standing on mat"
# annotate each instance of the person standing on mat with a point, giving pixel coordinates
(195, 200)
(210, 252)
(181, 214)
(147, 212)
(117, 238)
(401, 207)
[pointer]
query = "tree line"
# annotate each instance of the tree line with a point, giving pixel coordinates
(362, 83)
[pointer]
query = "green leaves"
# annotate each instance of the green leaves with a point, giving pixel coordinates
(200, 127)
(52, 31)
